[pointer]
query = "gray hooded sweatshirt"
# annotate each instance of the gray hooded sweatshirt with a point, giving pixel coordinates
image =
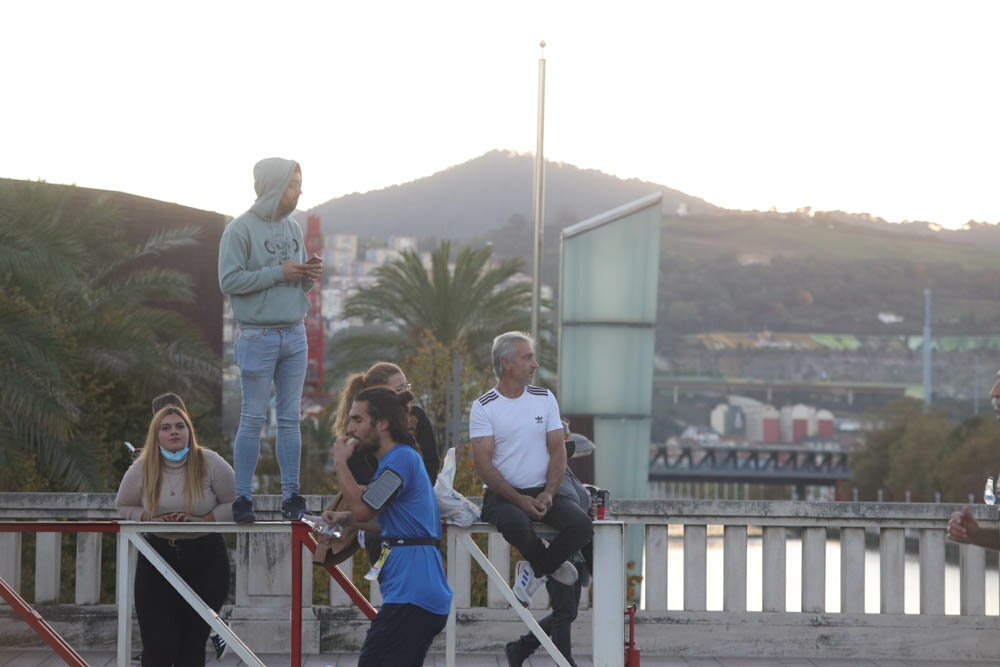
(252, 250)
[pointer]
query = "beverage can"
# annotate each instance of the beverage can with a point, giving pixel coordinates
(603, 503)
(601, 498)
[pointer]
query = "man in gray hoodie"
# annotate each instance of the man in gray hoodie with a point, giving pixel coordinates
(264, 271)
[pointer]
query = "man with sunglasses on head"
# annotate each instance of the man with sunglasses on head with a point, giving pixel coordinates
(962, 527)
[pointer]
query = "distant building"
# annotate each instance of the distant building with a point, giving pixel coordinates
(759, 422)
(340, 252)
(379, 256)
(762, 424)
(795, 422)
(401, 243)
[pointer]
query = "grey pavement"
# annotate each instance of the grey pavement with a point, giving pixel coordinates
(33, 658)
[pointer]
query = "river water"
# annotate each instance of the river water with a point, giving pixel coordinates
(793, 586)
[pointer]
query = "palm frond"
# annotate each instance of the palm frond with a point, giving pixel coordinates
(159, 243)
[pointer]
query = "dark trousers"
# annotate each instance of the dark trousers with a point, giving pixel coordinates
(173, 634)
(400, 636)
(566, 517)
(558, 625)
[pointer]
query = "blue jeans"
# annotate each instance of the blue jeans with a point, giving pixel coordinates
(270, 356)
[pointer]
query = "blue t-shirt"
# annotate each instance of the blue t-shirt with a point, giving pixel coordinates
(412, 574)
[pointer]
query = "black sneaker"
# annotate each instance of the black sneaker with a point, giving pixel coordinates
(513, 652)
(243, 510)
(292, 507)
(219, 644)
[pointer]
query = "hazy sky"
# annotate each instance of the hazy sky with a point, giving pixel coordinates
(878, 106)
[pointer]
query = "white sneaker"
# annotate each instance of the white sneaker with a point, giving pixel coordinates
(565, 574)
(525, 582)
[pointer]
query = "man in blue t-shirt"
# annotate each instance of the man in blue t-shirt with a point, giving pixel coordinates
(415, 592)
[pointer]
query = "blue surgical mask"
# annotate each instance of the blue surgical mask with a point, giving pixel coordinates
(174, 456)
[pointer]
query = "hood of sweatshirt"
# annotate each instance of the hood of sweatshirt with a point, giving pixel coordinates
(271, 177)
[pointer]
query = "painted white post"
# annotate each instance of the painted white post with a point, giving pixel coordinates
(449, 656)
(124, 598)
(773, 569)
(734, 566)
(608, 616)
(48, 567)
(88, 568)
(972, 577)
(892, 559)
(932, 571)
(852, 571)
(10, 561)
(814, 570)
(499, 553)
(655, 564)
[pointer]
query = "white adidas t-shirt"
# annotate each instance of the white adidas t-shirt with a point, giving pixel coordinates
(519, 427)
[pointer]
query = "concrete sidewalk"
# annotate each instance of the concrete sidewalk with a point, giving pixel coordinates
(34, 658)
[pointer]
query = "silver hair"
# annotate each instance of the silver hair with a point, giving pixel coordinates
(503, 347)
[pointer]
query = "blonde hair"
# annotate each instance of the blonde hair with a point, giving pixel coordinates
(377, 375)
(149, 459)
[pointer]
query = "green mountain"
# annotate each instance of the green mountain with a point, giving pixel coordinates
(466, 201)
(721, 270)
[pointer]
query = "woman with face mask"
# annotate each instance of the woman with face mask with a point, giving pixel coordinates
(174, 479)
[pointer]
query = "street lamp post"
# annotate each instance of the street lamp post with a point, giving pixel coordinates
(539, 199)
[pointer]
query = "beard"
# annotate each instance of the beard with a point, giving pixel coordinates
(368, 446)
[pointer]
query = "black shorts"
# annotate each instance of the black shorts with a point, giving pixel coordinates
(400, 636)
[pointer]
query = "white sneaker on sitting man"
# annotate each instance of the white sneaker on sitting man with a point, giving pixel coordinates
(526, 583)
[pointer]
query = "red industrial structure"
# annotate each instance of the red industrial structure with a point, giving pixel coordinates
(312, 393)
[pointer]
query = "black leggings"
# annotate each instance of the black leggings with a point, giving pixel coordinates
(173, 634)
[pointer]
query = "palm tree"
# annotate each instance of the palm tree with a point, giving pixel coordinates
(432, 320)
(83, 341)
(465, 304)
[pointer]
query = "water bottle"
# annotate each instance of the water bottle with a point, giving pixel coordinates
(989, 496)
(319, 525)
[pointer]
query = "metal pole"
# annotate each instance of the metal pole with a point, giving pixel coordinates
(539, 199)
(927, 347)
(299, 531)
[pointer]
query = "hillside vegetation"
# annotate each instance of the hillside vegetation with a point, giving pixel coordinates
(721, 270)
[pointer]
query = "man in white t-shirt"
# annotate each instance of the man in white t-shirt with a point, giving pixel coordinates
(518, 452)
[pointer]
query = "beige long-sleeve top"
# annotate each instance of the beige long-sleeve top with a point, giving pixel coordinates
(219, 491)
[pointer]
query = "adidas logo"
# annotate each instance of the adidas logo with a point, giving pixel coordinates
(538, 420)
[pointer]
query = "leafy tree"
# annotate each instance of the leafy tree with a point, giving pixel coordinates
(431, 371)
(972, 454)
(428, 319)
(923, 452)
(84, 338)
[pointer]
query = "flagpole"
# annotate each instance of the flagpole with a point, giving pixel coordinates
(539, 200)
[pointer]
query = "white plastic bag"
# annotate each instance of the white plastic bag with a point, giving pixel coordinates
(455, 508)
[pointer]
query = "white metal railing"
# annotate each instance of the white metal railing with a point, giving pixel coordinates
(131, 533)
(608, 624)
(899, 531)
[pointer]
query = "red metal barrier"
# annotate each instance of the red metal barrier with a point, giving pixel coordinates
(301, 535)
(631, 650)
(34, 620)
(357, 597)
